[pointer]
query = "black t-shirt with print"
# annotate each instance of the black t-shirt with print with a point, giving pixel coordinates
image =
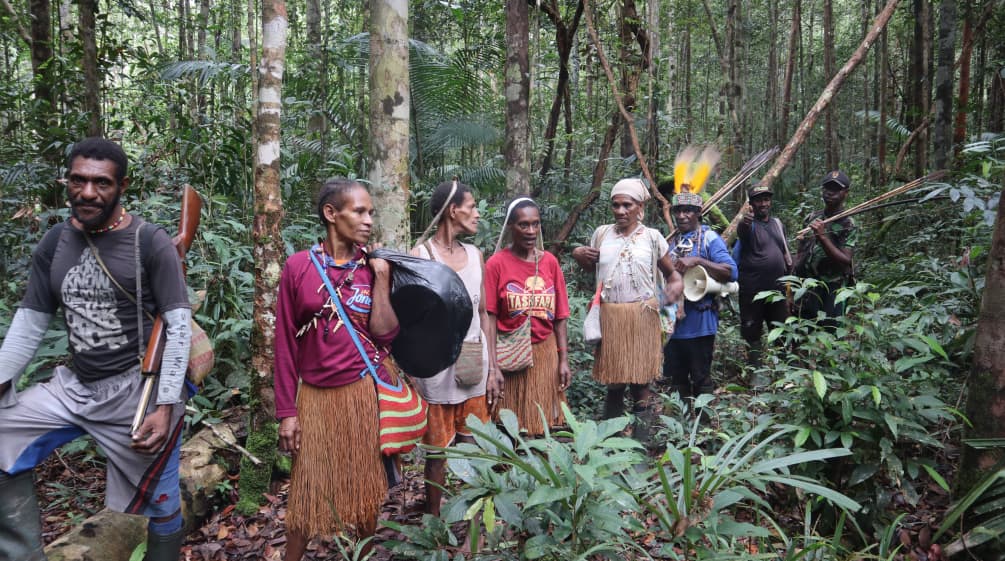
(100, 319)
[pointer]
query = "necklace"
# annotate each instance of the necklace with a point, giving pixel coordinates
(111, 226)
(449, 248)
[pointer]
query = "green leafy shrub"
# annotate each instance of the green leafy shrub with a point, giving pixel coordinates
(873, 385)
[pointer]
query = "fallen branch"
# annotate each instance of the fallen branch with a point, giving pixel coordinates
(225, 439)
(804, 128)
(867, 205)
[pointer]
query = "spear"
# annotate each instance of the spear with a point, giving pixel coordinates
(867, 205)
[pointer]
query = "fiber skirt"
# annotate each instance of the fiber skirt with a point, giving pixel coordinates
(631, 346)
(338, 481)
(536, 386)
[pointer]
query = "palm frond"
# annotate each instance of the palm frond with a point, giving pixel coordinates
(203, 70)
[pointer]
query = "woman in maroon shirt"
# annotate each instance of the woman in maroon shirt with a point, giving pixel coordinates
(330, 423)
(525, 283)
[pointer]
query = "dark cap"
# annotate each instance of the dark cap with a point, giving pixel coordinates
(758, 189)
(837, 177)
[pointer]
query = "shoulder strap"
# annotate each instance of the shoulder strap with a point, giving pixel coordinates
(429, 250)
(347, 322)
(785, 244)
(51, 240)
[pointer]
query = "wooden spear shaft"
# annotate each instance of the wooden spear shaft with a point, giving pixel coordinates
(803, 131)
(862, 207)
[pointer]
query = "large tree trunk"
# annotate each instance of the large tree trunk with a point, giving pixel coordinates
(269, 253)
(316, 67)
(918, 84)
(516, 88)
(944, 84)
(389, 117)
(986, 399)
(89, 63)
(804, 128)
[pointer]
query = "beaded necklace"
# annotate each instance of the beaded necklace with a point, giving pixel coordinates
(328, 311)
(112, 226)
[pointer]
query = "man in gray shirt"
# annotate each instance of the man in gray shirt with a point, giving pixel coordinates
(88, 267)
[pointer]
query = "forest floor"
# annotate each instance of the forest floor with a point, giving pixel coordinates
(71, 487)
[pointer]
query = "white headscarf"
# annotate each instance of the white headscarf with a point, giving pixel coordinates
(509, 212)
(633, 187)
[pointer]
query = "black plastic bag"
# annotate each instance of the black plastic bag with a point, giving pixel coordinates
(434, 313)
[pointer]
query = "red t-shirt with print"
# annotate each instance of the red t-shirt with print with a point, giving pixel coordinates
(512, 292)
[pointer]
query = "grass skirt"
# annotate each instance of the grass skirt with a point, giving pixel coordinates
(538, 385)
(631, 349)
(338, 479)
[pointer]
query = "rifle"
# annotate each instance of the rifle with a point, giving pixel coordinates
(191, 206)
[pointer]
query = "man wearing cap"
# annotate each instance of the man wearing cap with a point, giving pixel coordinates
(687, 357)
(827, 254)
(762, 255)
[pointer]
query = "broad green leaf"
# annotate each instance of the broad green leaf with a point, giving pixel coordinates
(877, 397)
(546, 494)
(820, 384)
(474, 508)
(802, 435)
(935, 475)
(538, 546)
(935, 346)
(489, 514)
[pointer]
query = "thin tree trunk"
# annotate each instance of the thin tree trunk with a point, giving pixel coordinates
(804, 128)
(884, 101)
(156, 28)
(41, 54)
(771, 86)
(517, 92)
(919, 82)
(790, 66)
(389, 115)
(944, 84)
(830, 134)
(269, 253)
(316, 122)
(963, 101)
(564, 35)
(599, 172)
(986, 399)
(89, 63)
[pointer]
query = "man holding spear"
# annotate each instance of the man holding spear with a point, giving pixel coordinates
(827, 254)
(88, 266)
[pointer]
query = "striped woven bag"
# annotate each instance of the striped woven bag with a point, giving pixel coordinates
(402, 416)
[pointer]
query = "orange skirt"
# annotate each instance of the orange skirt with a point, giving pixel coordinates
(338, 481)
(534, 391)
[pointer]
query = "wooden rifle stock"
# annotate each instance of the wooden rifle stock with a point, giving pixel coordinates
(191, 207)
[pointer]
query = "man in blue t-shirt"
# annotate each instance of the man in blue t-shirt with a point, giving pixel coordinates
(687, 356)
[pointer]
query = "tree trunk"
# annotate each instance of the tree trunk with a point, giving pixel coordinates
(632, 66)
(918, 82)
(944, 84)
(986, 399)
(41, 53)
(89, 63)
(771, 86)
(564, 36)
(517, 92)
(963, 101)
(316, 67)
(830, 134)
(884, 102)
(389, 117)
(790, 67)
(269, 253)
(804, 128)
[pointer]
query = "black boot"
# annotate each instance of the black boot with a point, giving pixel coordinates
(20, 520)
(646, 414)
(614, 403)
(164, 548)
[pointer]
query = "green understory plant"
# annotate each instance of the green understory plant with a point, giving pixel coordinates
(871, 384)
(568, 495)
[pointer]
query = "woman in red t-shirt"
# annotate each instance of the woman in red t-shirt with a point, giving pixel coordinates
(525, 283)
(325, 402)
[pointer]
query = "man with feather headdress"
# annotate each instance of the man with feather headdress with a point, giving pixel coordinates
(688, 354)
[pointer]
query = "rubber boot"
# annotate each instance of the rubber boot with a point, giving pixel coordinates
(20, 520)
(646, 416)
(614, 404)
(164, 548)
